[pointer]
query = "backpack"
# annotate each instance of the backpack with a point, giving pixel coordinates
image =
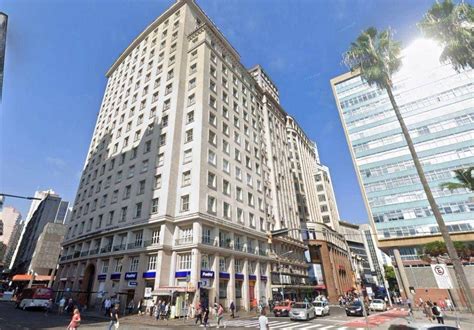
(435, 310)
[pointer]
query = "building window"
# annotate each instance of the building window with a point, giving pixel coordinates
(188, 156)
(158, 180)
(154, 205)
(205, 262)
(105, 266)
(118, 265)
(211, 180)
(186, 178)
(189, 117)
(160, 159)
(151, 265)
(211, 204)
(222, 264)
(185, 203)
(188, 135)
(240, 216)
(212, 158)
(134, 264)
(138, 210)
(226, 210)
(184, 261)
(141, 187)
(123, 214)
(155, 236)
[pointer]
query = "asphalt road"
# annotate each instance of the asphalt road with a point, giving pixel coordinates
(12, 318)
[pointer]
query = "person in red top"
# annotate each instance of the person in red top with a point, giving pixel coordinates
(75, 321)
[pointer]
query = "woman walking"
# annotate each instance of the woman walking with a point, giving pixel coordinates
(75, 321)
(220, 316)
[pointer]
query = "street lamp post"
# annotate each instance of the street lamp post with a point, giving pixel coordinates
(279, 271)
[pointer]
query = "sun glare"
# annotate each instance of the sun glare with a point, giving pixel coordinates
(421, 55)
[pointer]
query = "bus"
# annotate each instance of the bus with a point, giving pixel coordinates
(34, 298)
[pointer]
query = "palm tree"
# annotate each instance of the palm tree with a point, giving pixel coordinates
(453, 26)
(376, 57)
(464, 177)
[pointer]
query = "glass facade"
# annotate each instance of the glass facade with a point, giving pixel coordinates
(437, 104)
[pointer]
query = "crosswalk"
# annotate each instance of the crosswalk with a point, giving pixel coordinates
(253, 324)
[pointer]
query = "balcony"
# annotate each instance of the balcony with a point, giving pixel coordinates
(94, 251)
(76, 254)
(136, 245)
(184, 241)
(106, 249)
(119, 247)
(84, 253)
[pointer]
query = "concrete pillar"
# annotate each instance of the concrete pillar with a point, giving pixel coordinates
(258, 282)
(159, 262)
(195, 273)
(231, 284)
(402, 274)
(214, 293)
(268, 286)
(197, 232)
(172, 270)
(245, 285)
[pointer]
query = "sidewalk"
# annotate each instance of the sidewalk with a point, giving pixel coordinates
(464, 319)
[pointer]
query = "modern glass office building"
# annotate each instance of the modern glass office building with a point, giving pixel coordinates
(437, 104)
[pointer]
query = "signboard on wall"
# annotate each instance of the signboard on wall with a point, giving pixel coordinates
(441, 275)
(147, 293)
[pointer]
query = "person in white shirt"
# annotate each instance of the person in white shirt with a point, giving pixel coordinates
(263, 320)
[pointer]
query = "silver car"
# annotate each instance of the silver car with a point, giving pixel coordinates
(302, 311)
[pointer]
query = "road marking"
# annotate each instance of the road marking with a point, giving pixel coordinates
(282, 325)
(312, 326)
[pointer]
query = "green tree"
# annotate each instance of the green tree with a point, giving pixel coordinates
(453, 26)
(376, 57)
(390, 277)
(438, 248)
(464, 177)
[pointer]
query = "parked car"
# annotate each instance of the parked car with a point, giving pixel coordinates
(355, 309)
(321, 308)
(34, 298)
(282, 308)
(302, 311)
(378, 305)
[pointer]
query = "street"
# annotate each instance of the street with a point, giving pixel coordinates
(11, 318)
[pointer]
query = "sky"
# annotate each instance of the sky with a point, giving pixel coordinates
(58, 51)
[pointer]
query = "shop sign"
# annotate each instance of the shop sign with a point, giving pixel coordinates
(115, 276)
(239, 276)
(263, 277)
(252, 277)
(182, 274)
(205, 283)
(131, 276)
(224, 275)
(132, 284)
(149, 274)
(207, 274)
(101, 277)
(147, 293)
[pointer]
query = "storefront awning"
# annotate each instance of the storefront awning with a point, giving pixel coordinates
(27, 277)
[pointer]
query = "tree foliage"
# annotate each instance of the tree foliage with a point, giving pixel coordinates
(376, 55)
(453, 26)
(390, 277)
(464, 177)
(438, 248)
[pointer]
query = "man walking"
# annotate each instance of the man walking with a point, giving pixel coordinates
(107, 306)
(232, 309)
(263, 320)
(438, 313)
(62, 303)
(114, 317)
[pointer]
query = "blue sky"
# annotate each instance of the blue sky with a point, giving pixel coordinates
(58, 52)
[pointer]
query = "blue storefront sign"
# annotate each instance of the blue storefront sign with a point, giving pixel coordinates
(181, 274)
(132, 284)
(115, 276)
(131, 276)
(101, 277)
(252, 277)
(263, 277)
(239, 276)
(149, 274)
(207, 274)
(224, 275)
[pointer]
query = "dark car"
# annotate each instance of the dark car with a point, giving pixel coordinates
(355, 309)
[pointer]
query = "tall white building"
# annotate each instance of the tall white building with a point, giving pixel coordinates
(187, 170)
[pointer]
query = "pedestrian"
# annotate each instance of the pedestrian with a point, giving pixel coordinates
(70, 306)
(107, 306)
(62, 303)
(427, 311)
(49, 307)
(436, 310)
(75, 321)
(232, 309)
(131, 307)
(220, 316)
(114, 317)
(263, 320)
(206, 317)
(198, 315)
(449, 304)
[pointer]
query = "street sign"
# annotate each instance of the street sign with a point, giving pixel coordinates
(132, 284)
(441, 275)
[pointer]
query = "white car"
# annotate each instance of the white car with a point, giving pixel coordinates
(321, 308)
(378, 305)
(302, 311)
